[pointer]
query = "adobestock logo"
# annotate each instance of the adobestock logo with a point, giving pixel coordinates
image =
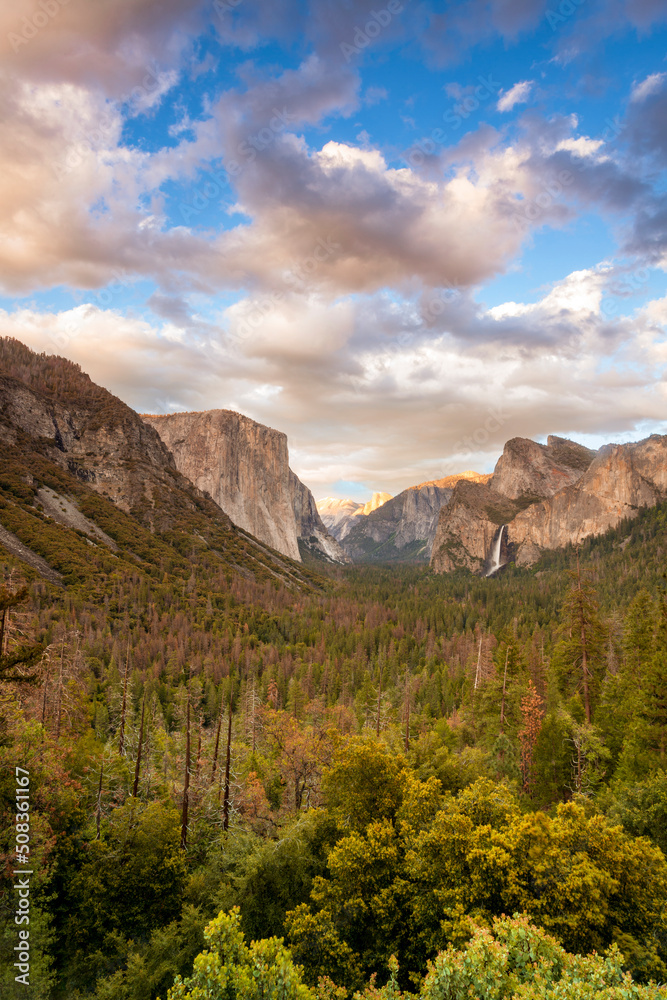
(622, 289)
(487, 87)
(222, 7)
(293, 279)
(377, 22)
(31, 26)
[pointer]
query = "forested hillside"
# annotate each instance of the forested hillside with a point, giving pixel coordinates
(368, 764)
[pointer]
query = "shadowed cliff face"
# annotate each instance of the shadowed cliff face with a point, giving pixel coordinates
(244, 466)
(82, 473)
(468, 525)
(311, 531)
(101, 442)
(596, 492)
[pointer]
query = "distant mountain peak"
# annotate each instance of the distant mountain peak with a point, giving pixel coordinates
(377, 500)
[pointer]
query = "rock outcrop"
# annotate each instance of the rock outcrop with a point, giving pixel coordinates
(244, 467)
(99, 440)
(529, 471)
(548, 496)
(620, 481)
(404, 526)
(468, 526)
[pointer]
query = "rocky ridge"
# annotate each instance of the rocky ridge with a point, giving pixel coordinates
(404, 526)
(312, 534)
(619, 481)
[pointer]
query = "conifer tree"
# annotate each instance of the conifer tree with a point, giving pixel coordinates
(580, 653)
(12, 664)
(653, 711)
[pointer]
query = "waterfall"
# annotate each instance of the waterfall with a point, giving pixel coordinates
(496, 554)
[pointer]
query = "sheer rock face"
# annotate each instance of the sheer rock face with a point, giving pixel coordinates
(525, 473)
(613, 484)
(311, 530)
(405, 525)
(468, 525)
(244, 466)
(620, 481)
(527, 470)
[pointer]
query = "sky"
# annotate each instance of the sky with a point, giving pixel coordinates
(401, 232)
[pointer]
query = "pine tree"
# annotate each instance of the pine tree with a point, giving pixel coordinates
(653, 711)
(580, 655)
(532, 714)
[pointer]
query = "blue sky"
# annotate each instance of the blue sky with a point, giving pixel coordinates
(400, 232)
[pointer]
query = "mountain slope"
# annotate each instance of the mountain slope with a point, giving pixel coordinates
(86, 485)
(525, 473)
(620, 481)
(313, 538)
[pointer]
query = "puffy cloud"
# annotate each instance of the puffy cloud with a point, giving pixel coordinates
(111, 44)
(518, 94)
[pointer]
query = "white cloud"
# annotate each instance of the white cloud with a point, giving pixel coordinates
(651, 85)
(581, 146)
(518, 94)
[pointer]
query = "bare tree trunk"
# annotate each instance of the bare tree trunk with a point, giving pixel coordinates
(121, 737)
(186, 783)
(479, 663)
(46, 685)
(502, 704)
(137, 769)
(217, 742)
(98, 811)
(198, 764)
(60, 687)
(407, 711)
(3, 621)
(377, 721)
(225, 803)
(253, 716)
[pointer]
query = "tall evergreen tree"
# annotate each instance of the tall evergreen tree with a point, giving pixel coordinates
(580, 654)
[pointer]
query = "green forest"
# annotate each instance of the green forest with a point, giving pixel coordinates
(368, 781)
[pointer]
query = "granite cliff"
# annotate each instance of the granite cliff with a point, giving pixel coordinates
(312, 534)
(80, 470)
(547, 496)
(244, 467)
(617, 484)
(402, 527)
